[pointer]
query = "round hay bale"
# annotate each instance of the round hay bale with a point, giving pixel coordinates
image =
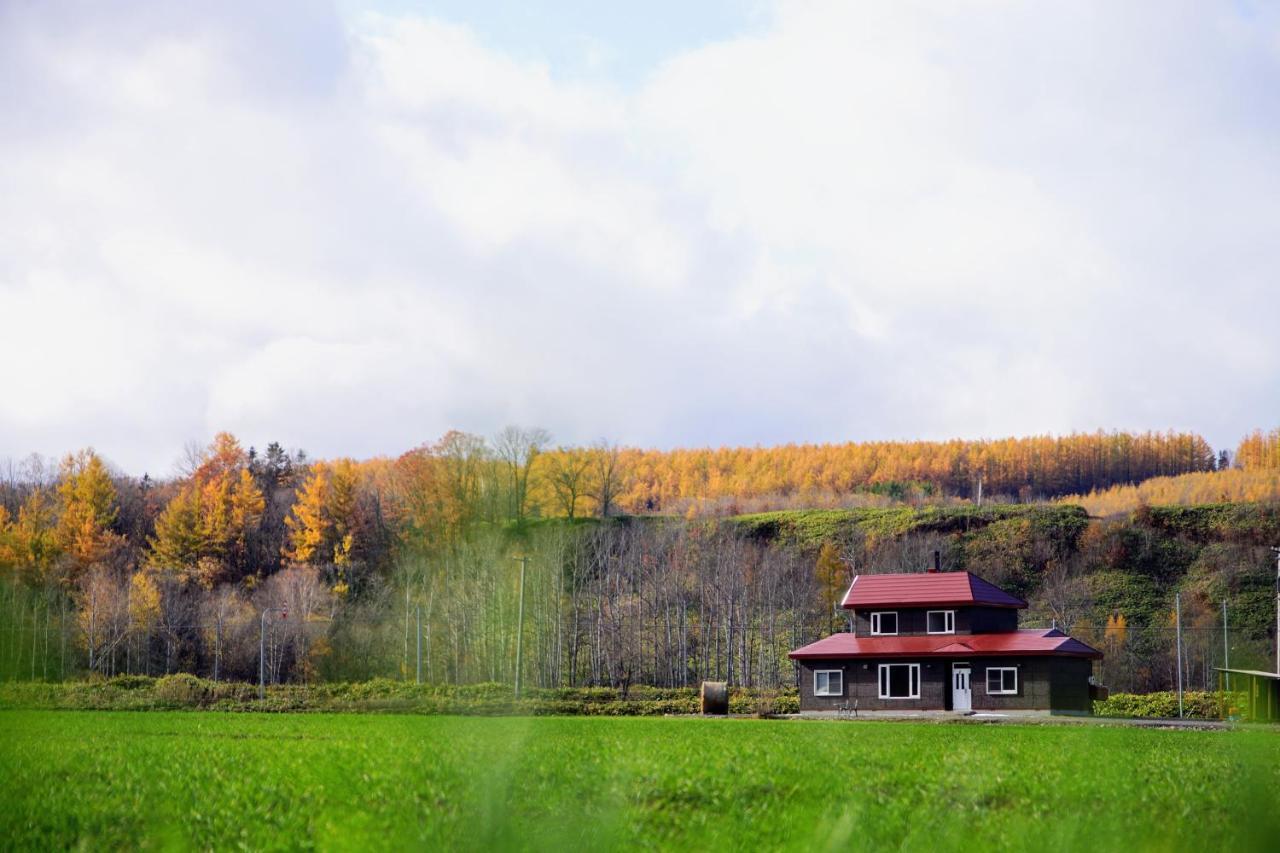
(715, 697)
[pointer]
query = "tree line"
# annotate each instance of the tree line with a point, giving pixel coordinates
(344, 569)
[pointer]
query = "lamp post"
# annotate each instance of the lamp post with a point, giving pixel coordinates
(262, 648)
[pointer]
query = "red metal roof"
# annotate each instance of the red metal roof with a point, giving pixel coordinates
(1027, 641)
(922, 589)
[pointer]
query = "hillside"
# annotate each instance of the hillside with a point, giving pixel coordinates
(1112, 581)
(1230, 485)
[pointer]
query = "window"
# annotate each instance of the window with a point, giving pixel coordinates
(884, 623)
(828, 682)
(942, 621)
(899, 681)
(1002, 680)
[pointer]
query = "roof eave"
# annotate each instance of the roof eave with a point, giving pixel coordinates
(1043, 653)
(863, 606)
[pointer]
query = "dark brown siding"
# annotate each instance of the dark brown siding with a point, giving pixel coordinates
(969, 620)
(990, 620)
(1044, 684)
(1069, 689)
(861, 684)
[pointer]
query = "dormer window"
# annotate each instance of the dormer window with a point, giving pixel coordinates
(941, 622)
(884, 623)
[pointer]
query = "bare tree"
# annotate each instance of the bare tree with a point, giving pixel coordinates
(301, 592)
(177, 608)
(517, 447)
(607, 471)
(221, 608)
(1064, 593)
(103, 616)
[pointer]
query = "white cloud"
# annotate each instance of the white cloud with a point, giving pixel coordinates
(862, 220)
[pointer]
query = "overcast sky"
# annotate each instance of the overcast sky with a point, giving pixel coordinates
(350, 229)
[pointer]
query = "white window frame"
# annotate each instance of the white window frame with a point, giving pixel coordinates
(949, 621)
(1002, 670)
(875, 623)
(838, 673)
(913, 680)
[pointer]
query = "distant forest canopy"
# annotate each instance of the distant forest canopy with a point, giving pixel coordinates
(106, 573)
(1009, 469)
(234, 512)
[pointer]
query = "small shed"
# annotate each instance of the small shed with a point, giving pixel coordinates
(1262, 690)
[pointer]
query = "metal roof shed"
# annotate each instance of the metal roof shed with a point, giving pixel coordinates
(1263, 692)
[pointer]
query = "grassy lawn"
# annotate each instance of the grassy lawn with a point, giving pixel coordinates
(192, 779)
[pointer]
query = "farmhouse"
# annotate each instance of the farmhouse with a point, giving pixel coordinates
(942, 641)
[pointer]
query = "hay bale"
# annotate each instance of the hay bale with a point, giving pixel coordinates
(715, 697)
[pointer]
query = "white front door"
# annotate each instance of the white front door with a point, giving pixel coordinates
(961, 694)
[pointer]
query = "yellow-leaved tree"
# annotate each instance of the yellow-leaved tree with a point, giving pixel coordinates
(86, 509)
(833, 578)
(9, 553)
(205, 530)
(322, 525)
(144, 609)
(308, 522)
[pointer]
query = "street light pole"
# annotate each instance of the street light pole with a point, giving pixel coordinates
(1226, 646)
(524, 561)
(262, 648)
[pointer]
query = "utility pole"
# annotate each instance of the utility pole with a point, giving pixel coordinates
(1277, 550)
(1226, 647)
(1178, 618)
(524, 561)
(262, 648)
(419, 620)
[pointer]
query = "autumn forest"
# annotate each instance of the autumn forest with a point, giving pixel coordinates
(639, 566)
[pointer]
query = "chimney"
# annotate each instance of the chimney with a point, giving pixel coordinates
(937, 561)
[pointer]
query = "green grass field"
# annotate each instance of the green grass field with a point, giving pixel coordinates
(192, 779)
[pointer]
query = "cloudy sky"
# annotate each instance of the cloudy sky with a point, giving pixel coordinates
(350, 228)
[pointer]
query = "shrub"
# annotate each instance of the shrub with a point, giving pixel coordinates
(380, 696)
(184, 691)
(1164, 705)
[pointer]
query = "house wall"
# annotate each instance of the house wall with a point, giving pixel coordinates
(1044, 683)
(1069, 689)
(989, 620)
(861, 683)
(969, 620)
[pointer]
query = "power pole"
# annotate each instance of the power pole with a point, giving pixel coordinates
(1277, 550)
(1178, 618)
(524, 561)
(1226, 647)
(418, 611)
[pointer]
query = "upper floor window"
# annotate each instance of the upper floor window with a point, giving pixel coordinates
(884, 623)
(941, 621)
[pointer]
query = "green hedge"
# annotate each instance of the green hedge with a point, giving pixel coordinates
(813, 527)
(139, 693)
(1196, 705)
